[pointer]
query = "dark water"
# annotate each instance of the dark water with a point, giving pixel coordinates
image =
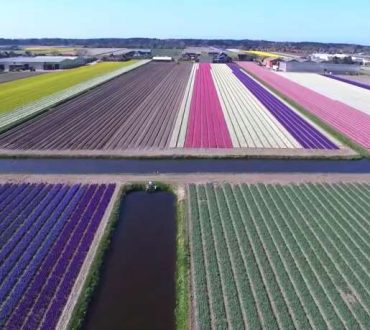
(137, 286)
(115, 166)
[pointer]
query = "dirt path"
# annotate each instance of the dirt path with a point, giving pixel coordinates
(189, 178)
(344, 152)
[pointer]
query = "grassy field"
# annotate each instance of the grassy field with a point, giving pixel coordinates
(280, 256)
(262, 54)
(49, 50)
(21, 92)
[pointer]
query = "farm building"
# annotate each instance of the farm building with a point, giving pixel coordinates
(270, 62)
(319, 67)
(101, 53)
(40, 63)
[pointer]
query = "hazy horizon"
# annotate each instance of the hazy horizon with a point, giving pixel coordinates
(265, 20)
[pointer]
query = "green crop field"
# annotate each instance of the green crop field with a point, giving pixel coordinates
(280, 256)
(20, 92)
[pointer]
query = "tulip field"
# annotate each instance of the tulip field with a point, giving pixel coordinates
(280, 256)
(46, 231)
(179, 108)
(228, 109)
(334, 89)
(351, 80)
(347, 120)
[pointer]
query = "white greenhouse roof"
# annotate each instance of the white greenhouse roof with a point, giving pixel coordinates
(37, 59)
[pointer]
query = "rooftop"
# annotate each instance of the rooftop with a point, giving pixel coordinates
(37, 59)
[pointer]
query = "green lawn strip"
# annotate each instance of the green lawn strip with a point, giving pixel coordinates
(241, 272)
(212, 268)
(199, 275)
(298, 297)
(231, 296)
(316, 243)
(305, 257)
(92, 280)
(271, 280)
(182, 267)
(315, 119)
(36, 87)
(241, 220)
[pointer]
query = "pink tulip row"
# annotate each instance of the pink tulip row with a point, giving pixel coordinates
(207, 127)
(347, 120)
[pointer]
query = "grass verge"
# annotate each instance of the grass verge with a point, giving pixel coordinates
(92, 280)
(336, 134)
(182, 266)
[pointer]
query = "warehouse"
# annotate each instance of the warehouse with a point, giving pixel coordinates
(318, 67)
(40, 63)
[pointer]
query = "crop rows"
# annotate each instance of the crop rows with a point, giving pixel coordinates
(206, 127)
(255, 127)
(280, 256)
(350, 81)
(334, 89)
(166, 106)
(225, 108)
(303, 132)
(45, 232)
(28, 110)
(347, 120)
(135, 110)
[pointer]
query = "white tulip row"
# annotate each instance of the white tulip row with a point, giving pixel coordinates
(22, 113)
(354, 96)
(250, 124)
(179, 131)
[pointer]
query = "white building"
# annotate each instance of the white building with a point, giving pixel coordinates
(40, 63)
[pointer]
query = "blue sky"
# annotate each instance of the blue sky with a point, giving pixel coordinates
(287, 20)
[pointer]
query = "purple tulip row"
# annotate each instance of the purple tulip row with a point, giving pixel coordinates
(60, 267)
(43, 253)
(10, 194)
(57, 221)
(303, 132)
(13, 205)
(16, 238)
(52, 316)
(348, 81)
(14, 217)
(30, 295)
(22, 213)
(4, 188)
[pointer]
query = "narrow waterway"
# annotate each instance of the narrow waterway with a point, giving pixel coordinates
(117, 166)
(137, 285)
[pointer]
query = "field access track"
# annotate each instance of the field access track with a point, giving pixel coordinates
(46, 232)
(347, 120)
(135, 110)
(282, 256)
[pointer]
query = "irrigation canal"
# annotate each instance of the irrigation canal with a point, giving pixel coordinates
(132, 166)
(137, 285)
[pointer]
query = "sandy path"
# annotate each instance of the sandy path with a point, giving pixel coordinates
(344, 152)
(175, 179)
